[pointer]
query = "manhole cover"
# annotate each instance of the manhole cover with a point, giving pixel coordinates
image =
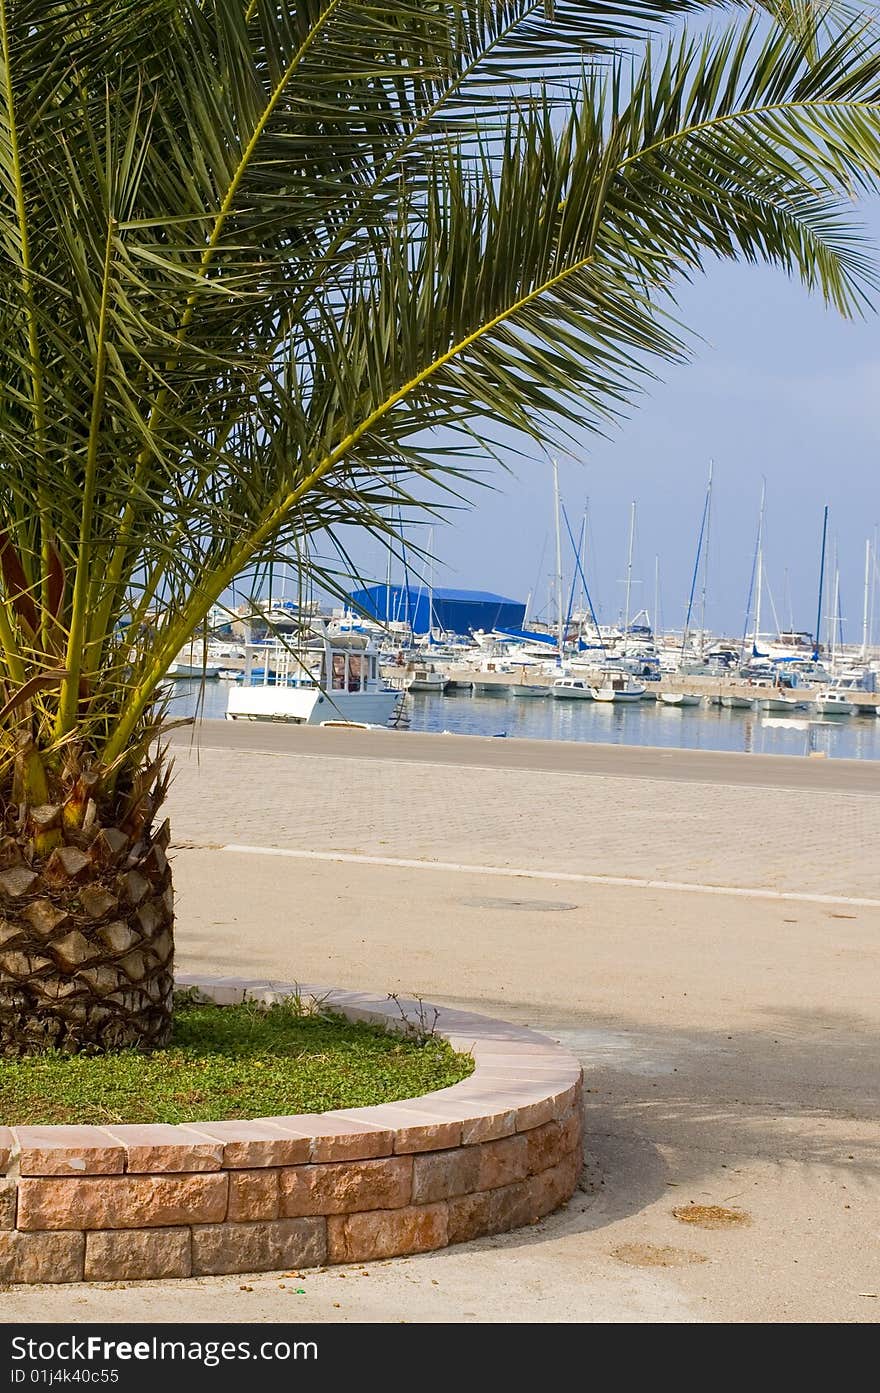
(491, 902)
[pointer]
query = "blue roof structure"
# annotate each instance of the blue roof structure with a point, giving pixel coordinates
(452, 611)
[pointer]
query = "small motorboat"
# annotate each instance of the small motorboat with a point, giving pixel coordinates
(680, 699)
(830, 702)
(571, 689)
(616, 686)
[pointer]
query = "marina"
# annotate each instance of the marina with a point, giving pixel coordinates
(642, 723)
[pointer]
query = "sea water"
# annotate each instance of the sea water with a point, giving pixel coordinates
(624, 723)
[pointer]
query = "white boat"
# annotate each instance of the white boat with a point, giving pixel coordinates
(571, 689)
(830, 702)
(199, 670)
(491, 689)
(327, 679)
(777, 703)
(681, 699)
(617, 686)
(424, 678)
(528, 689)
(733, 702)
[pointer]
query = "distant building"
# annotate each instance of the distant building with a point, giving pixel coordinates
(452, 611)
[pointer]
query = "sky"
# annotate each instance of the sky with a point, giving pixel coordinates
(780, 387)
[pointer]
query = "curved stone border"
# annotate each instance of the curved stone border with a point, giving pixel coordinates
(497, 1151)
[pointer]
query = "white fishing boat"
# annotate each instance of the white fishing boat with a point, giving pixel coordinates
(777, 703)
(205, 671)
(424, 678)
(571, 689)
(615, 686)
(681, 699)
(528, 689)
(732, 701)
(325, 679)
(831, 702)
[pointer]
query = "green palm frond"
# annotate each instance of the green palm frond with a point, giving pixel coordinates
(253, 258)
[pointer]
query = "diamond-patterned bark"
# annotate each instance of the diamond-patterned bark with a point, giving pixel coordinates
(86, 942)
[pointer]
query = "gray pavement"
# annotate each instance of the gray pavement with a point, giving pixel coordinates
(331, 794)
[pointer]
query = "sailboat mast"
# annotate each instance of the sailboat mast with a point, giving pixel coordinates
(759, 579)
(629, 570)
(873, 590)
(430, 583)
(866, 604)
(560, 618)
(655, 623)
(706, 559)
(835, 606)
(821, 584)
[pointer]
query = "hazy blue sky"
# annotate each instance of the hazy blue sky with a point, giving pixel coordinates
(782, 387)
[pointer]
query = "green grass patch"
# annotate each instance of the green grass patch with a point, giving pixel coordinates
(228, 1062)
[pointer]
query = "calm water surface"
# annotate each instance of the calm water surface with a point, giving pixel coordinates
(637, 723)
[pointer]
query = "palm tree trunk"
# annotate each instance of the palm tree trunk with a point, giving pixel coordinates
(86, 936)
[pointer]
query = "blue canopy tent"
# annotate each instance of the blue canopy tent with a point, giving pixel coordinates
(452, 611)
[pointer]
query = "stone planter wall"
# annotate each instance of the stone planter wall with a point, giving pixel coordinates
(497, 1151)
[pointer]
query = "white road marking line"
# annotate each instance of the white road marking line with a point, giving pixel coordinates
(631, 882)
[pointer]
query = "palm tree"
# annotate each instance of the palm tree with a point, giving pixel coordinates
(254, 252)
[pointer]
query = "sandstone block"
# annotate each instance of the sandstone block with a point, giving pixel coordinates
(479, 1120)
(121, 1201)
(552, 1187)
(261, 1247)
(69, 1151)
(8, 1192)
(337, 1140)
(386, 1233)
(503, 1162)
(533, 1114)
(544, 1146)
(413, 1129)
(7, 1143)
(346, 1187)
(137, 1255)
(489, 1127)
(41, 1257)
(253, 1195)
(469, 1216)
(159, 1146)
(249, 1144)
(442, 1174)
(490, 1211)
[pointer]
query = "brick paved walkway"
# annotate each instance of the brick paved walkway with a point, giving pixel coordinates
(808, 841)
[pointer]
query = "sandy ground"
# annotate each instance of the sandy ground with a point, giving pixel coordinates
(729, 1040)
